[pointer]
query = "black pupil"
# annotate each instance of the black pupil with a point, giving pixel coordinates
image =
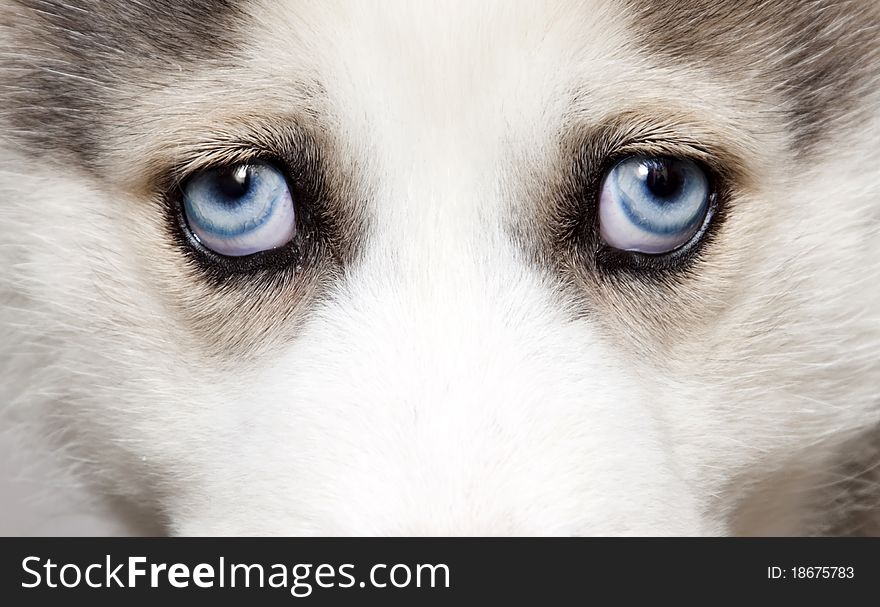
(664, 179)
(233, 183)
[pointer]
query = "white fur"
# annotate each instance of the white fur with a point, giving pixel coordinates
(445, 387)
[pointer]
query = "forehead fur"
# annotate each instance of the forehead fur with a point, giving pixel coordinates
(819, 57)
(68, 64)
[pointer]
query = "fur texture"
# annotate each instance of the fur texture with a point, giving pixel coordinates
(447, 354)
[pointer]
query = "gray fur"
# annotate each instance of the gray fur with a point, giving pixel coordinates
(69, 63)
(819, 56)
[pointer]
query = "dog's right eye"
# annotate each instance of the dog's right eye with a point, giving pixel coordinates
(240, 210)
(653, 205)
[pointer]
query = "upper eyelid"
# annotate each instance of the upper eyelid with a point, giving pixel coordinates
(278, 141)
(716, 167)
(276, 138)
(654, 132)
(720, 171)
(673, 149)
(235, 153)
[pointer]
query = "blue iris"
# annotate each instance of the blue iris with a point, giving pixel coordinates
(653, 204)
(240, 210)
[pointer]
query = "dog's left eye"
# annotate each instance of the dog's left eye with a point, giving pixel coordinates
(240, 210)
(653, 205)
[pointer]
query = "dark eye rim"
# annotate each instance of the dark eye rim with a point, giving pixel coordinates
(613, 261)
(305, 186)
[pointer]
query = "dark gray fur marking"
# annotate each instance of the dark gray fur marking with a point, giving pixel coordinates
(73, 61)
(818, 54)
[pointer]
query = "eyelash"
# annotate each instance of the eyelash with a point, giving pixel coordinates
(273, 265)
(311, 235)
(613, 263)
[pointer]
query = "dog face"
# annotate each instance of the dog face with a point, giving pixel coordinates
(457, 332)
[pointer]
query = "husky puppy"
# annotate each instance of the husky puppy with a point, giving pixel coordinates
(334, 267)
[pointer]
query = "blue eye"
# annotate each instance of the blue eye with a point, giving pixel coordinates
(240, 210)
(653, 205)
